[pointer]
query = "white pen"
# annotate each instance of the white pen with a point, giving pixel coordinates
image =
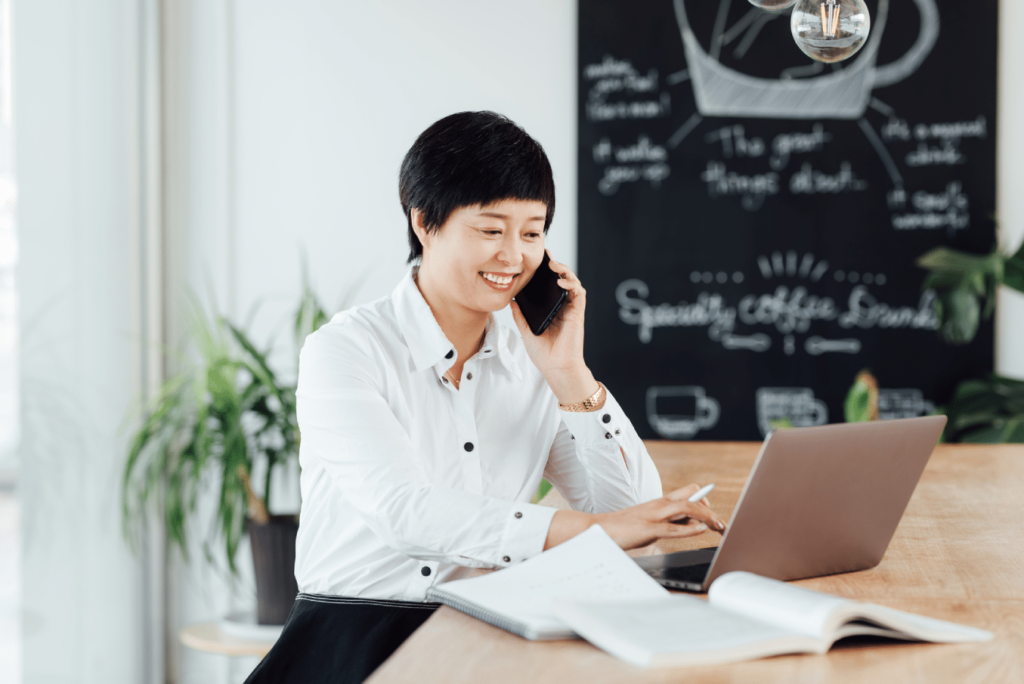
(697, 496)
(701, 493)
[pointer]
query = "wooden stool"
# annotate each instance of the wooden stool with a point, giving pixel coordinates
(209, 637)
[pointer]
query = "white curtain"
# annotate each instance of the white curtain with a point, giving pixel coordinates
(87, 163)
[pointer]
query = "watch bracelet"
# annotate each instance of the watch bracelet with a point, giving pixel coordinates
(591, 403)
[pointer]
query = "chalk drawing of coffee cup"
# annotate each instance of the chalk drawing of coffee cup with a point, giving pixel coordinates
(842, 94)
(903, 403)
(788, 407)
(680, 412)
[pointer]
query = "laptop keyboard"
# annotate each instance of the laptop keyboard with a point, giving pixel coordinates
(693, 574)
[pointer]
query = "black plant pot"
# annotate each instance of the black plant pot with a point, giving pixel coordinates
(273, 555)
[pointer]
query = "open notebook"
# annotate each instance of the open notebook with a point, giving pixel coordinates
(590, 587)
(746, 616)
(518, 598)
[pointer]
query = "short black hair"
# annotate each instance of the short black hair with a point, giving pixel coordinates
(469, 159)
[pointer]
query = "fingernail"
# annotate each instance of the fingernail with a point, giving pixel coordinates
(701, 527)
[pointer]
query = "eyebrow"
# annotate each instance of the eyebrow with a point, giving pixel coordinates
(499, 215)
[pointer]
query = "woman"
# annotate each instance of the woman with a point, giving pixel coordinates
(427, 426)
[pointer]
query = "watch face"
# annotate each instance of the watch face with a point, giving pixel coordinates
(734, 71)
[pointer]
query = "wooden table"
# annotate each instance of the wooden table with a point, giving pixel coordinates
(958, 554)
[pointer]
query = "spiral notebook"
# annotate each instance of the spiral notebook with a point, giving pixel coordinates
(588, 567)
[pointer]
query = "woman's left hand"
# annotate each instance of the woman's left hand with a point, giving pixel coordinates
(558, 352)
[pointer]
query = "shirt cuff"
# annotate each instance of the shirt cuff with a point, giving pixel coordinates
(602, 427)
(525, 532)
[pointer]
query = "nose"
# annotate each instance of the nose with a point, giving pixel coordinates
(511, 251)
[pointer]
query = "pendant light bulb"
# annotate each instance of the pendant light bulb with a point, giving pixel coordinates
(830, 30)
(773, 5)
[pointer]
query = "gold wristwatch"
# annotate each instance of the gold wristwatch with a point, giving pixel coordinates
(591, 403)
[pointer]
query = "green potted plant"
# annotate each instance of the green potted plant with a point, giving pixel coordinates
(966, 286)
(226, 415)
(990, 409)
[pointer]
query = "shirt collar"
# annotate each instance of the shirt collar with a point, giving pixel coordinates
(427, 342)
(499, 340)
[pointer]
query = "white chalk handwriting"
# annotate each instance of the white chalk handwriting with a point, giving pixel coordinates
(642, 160)
(786, 310)
(751, 188)
(949, 209)
(618, 77)
(735, 143)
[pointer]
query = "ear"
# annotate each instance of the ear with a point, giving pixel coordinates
(416, 217)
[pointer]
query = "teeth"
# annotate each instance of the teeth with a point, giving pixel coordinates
(498, 279)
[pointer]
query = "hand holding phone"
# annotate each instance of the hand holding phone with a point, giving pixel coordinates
(542, 298)
(558, 354)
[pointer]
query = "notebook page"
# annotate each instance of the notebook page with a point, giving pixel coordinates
(928, 628)
(588, 566)
(775, 602)
(640, 630)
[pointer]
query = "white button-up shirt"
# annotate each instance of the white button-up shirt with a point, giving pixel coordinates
(406, 480)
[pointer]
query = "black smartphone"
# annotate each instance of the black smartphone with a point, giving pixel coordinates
(542, 298)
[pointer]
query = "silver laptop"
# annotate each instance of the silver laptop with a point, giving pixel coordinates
(819, 501)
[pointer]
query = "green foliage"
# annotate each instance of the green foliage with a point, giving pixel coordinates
(226, 411)
(309, 315)
(1013, 270)
(861, 403)
(542, 491)
(987, 411)
(963, 282)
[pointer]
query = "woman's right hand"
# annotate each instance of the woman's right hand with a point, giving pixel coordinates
(643, 524)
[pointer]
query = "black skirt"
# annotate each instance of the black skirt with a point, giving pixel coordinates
(338, 639)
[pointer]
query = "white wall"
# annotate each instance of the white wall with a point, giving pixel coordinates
(1010, 183)
(330, 96)
(77, 145)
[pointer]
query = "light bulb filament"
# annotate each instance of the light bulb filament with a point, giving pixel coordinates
(830, 18)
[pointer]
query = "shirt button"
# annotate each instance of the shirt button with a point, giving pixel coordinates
(607, 435)
(617, 431)
(444, 380)
(468, 446)
(425, 571)
(469, 376)
(450, 354)
(506, 559)
(606, 418)
(518, 514)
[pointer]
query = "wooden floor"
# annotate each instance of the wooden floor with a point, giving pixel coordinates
(958, 554)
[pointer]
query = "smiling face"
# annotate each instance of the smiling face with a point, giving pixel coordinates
(482, 255)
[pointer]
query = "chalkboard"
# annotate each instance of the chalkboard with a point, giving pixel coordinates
(749, 219)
